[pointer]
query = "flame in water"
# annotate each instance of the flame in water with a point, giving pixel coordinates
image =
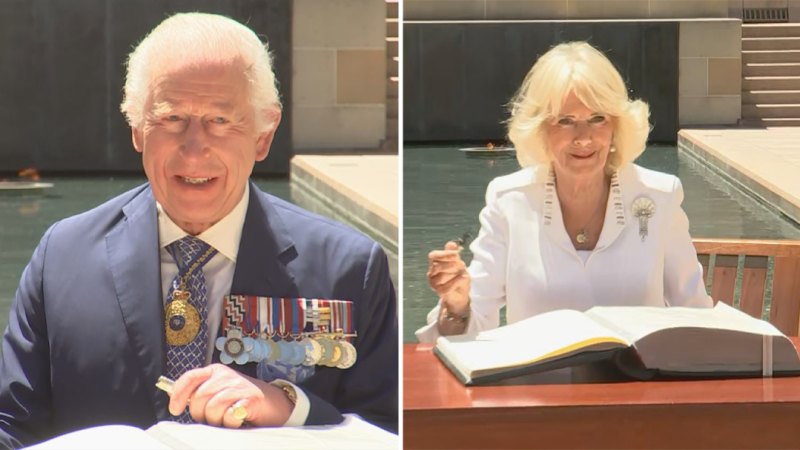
(490, 146)
(29, 172)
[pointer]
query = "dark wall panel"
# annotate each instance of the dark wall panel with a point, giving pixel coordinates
(62, 72)
(459, 77)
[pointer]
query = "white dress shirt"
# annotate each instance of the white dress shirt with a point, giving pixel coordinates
(224, 236)
(524, 259)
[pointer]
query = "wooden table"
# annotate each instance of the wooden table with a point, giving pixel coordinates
(439, 412)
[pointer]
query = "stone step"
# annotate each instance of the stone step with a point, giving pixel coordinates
(392, 45)
(391, 27)
(771, 97)
(770, 83)
(771, 43)
(771, 69)
(763, 111)
(391, 89)
(770, 56)
(770, 29)
(392, 9)
(391, 128)
(391, 107)
(771, 122)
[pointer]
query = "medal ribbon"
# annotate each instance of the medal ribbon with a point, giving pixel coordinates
(250, 325)
(279, 315)
(276, 327)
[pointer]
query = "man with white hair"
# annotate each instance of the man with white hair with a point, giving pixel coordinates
(199, 266)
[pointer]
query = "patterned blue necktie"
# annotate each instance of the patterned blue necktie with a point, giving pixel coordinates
(190, 255)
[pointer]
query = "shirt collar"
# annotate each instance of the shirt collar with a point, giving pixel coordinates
(224, 235)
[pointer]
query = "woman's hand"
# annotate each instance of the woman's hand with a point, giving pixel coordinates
(449, 278)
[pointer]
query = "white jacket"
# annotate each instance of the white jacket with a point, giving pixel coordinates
(524, 259)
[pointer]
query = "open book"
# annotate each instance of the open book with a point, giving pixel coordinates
(353, 433)
(642, 341)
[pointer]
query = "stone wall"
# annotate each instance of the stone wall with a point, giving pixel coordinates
(63, 71)
(710, 72)
(709, 50)
(459, 76)
(339, 78)
(562, 9)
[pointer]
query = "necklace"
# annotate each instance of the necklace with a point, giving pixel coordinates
(182, 319)
(582, 237)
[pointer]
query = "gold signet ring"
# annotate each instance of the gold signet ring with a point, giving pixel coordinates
(239, 411)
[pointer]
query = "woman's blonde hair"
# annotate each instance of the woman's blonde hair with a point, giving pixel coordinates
(580, 68)
(189, 39)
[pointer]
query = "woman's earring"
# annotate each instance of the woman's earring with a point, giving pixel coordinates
(613, 149)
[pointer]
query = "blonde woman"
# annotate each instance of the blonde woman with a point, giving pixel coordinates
(579, 225)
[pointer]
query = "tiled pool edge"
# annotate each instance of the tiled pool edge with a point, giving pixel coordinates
(335, 196)
(733, 172)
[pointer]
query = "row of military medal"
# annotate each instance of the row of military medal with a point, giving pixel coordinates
(324, 349)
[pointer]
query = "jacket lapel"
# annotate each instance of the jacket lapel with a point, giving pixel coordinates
(265, 250)
(552, 221)
(135, 266)
(615, 218)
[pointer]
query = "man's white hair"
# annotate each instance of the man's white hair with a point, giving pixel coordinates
(193, 39)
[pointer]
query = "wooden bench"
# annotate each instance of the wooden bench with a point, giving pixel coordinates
(765, 274)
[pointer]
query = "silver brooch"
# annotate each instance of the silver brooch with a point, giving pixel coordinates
(643, 209)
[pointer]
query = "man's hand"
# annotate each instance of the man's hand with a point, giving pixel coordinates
(211, 392)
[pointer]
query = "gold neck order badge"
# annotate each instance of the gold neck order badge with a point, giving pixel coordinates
(182, 320)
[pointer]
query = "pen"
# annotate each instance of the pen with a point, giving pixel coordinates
(165, 384)
(238, 410)
(463, 240)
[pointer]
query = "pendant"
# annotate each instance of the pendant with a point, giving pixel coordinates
(348, 355)
(581, 237)
(327, 345)
(336, 357)
(298, 353)
(182, 319)
(271, 350)
(313, 351)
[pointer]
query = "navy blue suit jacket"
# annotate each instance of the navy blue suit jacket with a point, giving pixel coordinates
(85, 340)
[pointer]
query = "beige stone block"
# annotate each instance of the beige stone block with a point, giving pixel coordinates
(725, 110)
(360, 76)
(766, 3)
(338, 127)
(444, 9)
(724, 76)
(717, 38)
(526, 9)
(607, 9)
(338, 23)
(693, 77)
(688, 8)
(314, 77)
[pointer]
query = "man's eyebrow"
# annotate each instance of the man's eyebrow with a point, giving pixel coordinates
(223, 106)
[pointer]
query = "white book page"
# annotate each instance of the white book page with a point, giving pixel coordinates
(354, 433)
(105, 437)
(636, 322)
(536, 338)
